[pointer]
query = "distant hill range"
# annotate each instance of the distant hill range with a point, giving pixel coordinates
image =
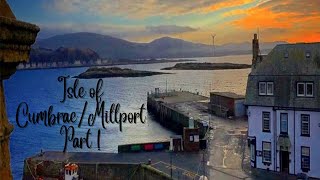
(63, 54)
(165, 47)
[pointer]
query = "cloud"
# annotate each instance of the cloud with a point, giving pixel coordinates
(169, 29)
(227, 4)
(120, 31)
(289, 20)
(142, 8)
(233, 20)
(306, 7)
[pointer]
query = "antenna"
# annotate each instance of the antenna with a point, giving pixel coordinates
(213, 36)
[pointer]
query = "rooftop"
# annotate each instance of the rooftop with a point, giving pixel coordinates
(286, 65)
(290, 59)
(228, 94)
(179, 97)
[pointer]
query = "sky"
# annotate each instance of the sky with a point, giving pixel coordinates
(232, 21)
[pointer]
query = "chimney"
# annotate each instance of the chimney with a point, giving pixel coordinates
(255, 49)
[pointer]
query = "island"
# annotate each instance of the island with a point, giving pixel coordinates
(206, 66)
(107, 72)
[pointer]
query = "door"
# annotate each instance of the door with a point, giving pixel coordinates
(284, 161)
(252, 143)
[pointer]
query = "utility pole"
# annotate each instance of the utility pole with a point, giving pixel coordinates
(167, 86)
(204, 163)
(213, 36)
(171, 164)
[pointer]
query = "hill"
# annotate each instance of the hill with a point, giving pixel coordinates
(62, 54)
(165, 47)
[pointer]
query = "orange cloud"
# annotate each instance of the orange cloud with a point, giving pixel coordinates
(265, 18)
(227, 4)
(281, 22)
(235, 12)
(304, 37)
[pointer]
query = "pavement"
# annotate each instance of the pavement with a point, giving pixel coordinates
(227, 156)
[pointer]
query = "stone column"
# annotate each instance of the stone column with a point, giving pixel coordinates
(16, 37)
(5, 130)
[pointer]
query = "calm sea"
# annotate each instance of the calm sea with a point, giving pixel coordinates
(40, 89)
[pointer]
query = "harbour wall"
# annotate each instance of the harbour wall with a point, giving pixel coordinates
(172, 118)
(54, 169)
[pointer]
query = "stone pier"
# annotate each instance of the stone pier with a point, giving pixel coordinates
(174, 109)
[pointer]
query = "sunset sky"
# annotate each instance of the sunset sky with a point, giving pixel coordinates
(192, 20)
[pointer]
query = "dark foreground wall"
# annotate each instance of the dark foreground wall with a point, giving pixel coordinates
(52, 169)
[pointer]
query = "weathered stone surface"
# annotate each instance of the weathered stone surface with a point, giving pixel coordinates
(5, 130)
(16, 37)
(5, 10)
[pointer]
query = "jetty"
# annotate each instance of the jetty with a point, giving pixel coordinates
(178, 109)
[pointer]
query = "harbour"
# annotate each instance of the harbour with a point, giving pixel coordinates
(236, 109)
(225, 155)
(110, 139)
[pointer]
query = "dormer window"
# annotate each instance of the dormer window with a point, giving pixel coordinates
(266, 88)
(308, 55)
(305, 89)
(286, 55)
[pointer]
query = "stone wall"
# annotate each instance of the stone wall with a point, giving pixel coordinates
(54, 169)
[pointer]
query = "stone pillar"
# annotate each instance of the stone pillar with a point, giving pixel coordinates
(5, 129)
(16, 37)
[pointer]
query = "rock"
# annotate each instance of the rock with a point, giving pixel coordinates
(103, 72)
(207, 66)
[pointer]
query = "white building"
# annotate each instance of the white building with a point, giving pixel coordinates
(283, 101)
(71, 172)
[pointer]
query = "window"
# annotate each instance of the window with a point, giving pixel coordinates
(305, 125)
(262, 88)
(300, 89)
(191, 138)
(305, 158)
(309, 89)
(266, 88)
(266, 152)
(269, 88)
(286, 55)
(266, 121)
(283, 123)
(253, 152)
(304, 89)
(308, 54)
(196, 138)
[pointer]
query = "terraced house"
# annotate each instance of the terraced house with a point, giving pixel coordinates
(283, 108)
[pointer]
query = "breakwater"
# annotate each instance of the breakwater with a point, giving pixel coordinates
(178, 109)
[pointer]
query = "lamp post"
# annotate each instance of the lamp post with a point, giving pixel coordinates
(171, 164)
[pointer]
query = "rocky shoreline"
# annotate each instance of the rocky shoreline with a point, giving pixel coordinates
(207, 66)
(108, 72)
